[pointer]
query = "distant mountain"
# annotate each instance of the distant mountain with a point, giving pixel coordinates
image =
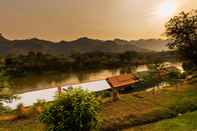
(4, 45)
(82, 45)
(148, 44)
(152, 44)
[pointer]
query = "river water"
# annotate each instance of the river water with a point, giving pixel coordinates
(43, 86)
(50, 80)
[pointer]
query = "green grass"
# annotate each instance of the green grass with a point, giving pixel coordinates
(185, 122)
(145, 107)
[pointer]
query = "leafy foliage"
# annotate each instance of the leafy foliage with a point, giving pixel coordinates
(182, 31)
(173, 76)
(6, 93)
(189, 66)
(74, 110)
(4, 77)
(39, 63)
(159, 73)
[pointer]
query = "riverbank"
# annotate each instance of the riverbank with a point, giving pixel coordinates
(133, 108)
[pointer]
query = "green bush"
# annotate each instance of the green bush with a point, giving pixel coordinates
(157, 114)
(184, 105)
(105, 94)
(189, 67)
(74, 110)
(5, 110)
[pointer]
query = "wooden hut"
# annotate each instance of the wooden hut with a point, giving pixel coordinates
(121, 82)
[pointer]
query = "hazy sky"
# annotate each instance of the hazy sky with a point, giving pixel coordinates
(102, 19)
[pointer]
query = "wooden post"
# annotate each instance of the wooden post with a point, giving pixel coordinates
(59, 88)
(115, 94)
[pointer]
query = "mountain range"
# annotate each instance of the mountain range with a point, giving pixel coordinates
(81, 45)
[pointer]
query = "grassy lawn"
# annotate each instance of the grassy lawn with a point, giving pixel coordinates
(186, 122)
(132, 109)
(145, 107)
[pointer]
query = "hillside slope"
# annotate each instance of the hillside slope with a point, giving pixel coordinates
(81, 45)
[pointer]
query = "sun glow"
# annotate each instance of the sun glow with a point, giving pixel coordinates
(167, 9)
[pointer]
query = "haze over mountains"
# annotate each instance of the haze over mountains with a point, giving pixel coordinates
(81, 45)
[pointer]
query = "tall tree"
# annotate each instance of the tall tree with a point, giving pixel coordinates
(182, 32)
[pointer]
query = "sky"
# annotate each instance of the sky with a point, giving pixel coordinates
(100, 19)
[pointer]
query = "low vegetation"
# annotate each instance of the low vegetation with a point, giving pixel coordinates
(145, 107)
(184, 122)
(74, 110)
(23, 65)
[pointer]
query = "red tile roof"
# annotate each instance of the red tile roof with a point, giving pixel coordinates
(122, 81)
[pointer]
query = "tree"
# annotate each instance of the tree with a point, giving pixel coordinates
(6, 95)
(181, 30)
(4, 77)
(156, 72)
(173, 76)
(74, 110)
(157, 68)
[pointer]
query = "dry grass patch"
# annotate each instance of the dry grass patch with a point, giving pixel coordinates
(31, 124)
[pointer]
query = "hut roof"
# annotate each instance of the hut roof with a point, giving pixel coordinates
(122, 81)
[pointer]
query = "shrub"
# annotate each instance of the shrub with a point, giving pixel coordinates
(74, 110)
(105, 94)
(158, 114)
(184, 105)
(4, 110)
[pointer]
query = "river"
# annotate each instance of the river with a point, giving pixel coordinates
(53, 79)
